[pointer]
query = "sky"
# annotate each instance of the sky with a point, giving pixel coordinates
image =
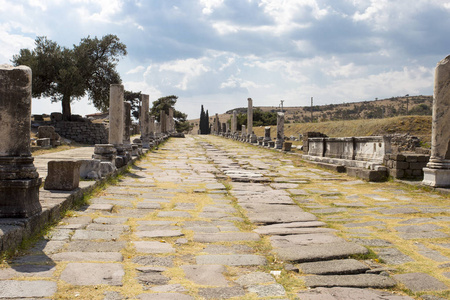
(218, 53)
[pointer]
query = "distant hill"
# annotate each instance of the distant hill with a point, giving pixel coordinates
(376, 109)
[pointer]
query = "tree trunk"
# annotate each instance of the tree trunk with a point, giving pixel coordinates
(66, 112)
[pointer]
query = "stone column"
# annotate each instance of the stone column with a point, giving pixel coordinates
(243, 133)
(162, 121)
(152, 127)
(227, 128)
(116, 115)
(19, 181)
(144, 121)
(267, 137)
(250, 116)
(280, 131)
(217, 124)
(127, 123)
(437, 172)
(168, 124)
(234, 122)
(224, 128)
(171, 120)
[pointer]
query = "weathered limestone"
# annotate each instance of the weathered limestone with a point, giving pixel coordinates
(126, 123)
(267, 137)
(152, 128)
(163, 121)
(280, 131)
(63, 175)
(19, 181)
(217, 124)
(116, 115)
(243, 133)
(437, 173)
(250, 116)
(234, 122)
(105, 153)
(144, 121)
(171, 120)
(49, 132)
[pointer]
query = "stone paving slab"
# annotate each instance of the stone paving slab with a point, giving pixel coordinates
(27, 271)
(206, 274)
(27, 289)
(334, 267)
(278, 241)
(345, 293)
(87, 256)
(318, 252)
(231, 260)
(221, 292)
(159, 233)
(357, 281)
(225, 237)
(153, 247)
(419, 282)
(93, 274)
(276, 217)
(165, 296)
(392, 256)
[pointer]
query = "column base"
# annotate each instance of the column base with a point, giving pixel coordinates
(19, 198)
(436, 177)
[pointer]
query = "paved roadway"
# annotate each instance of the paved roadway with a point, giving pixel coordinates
(209, 218)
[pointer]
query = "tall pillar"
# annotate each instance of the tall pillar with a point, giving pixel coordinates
(234, 122)
(267, 137)
(217, 124)
(162, 121)
(116, 115)
(126, 122)
(171, 120)
(19, 181)
(243, 133)
(144, 121)
(437, 172)
(250, 116)
(280, 131)
(152, 127)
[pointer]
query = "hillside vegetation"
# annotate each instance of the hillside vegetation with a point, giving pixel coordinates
(419, 126)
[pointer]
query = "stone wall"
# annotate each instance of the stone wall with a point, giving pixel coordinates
(82, 132)
(408, 166)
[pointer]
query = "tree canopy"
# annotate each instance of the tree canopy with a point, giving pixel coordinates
(164, 103)
(65, 74)
(204, 122)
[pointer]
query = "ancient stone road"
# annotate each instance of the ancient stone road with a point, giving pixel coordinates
(210, 218)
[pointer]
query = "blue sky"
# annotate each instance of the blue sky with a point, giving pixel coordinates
(220, 52)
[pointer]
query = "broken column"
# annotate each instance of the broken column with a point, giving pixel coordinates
(171, 120)
(116, 123)
(144, 121)
(162, 121)
(280, 131)
(217, 124)
(267, 137)
(437, 172)
(116, 115)
(152, 131)
(234, 122)
(126, 123)
(243, 133)
(251, 136)
(19, 181)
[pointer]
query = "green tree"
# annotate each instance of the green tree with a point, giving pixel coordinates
(67, 74)
(204, 122)
(164, 103)
(135, 99)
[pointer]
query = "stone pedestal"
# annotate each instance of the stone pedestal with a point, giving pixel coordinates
(280, 131)
(105, 152)
(437, 172)
(243, 133)
(19, 181)
(253, 138)
(63, 175)
(144, 121)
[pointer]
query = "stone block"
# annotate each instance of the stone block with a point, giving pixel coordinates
(436, 177)
(90, 169)
(287, 146)
(403, 165)
(398, 157)
(44, 143)
(411, 158)
(397, 173)
(63, 175)
(417, 165)
(369, 175)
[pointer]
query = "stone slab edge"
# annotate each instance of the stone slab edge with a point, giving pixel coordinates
(22, 229)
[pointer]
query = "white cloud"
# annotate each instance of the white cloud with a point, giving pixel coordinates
(138, 69)
(210, 5)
